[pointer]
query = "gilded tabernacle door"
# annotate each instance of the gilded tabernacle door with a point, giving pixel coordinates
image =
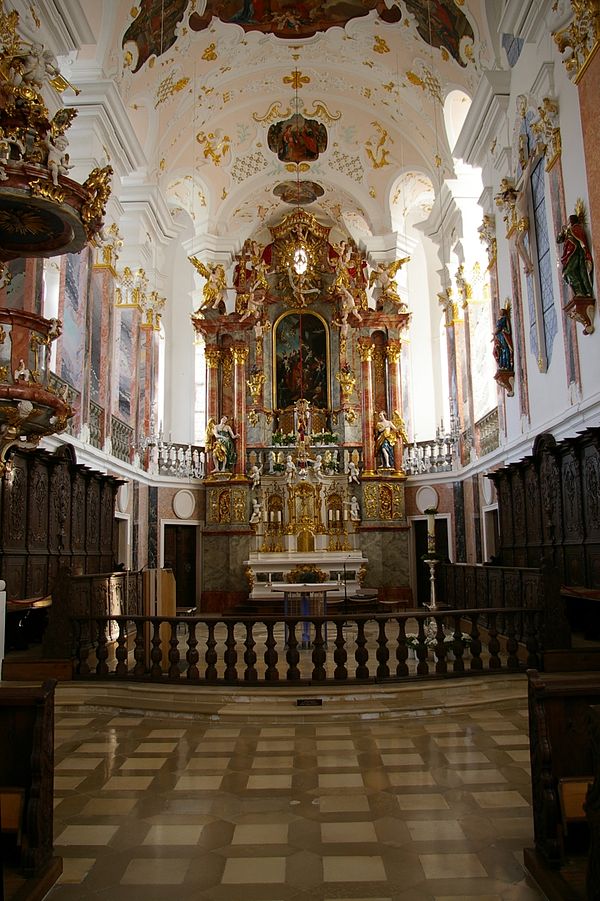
(301, 360)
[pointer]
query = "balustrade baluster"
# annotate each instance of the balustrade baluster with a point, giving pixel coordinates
(421, 650)
(340, 655)
(292, 655)
(139, 650)
(458, 647)
(156, 651)
(361, 655)
(271, 656)
(250, 673)
(475, 645)
(192, 656)
(440, 649)
(211, 655)
(230, 656)
(383, 654)
(102, 648)
(494, 644)
(121, 649)
(174, 655)
(319, 655)
(512, 645)
(401, 649)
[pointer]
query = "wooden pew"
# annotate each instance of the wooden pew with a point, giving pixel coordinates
(562, 769)
(27, 790)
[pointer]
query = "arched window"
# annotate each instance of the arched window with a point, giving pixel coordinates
(199, 390)
(540, 295)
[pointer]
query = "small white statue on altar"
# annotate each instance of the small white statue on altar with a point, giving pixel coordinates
(255, 474)
(354, 509)
(256, 515)
(21, 373)
(290, 470)
(318, 469)
(353, 473)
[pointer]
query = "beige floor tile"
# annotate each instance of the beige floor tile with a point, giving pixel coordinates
(254, 870)
(268, 782)
(341, 780)
(322, 731)
(452, 866)
(107, 807)
(86, 835)
(479, 777)
(339, 804)
(273, 762)
(332, 744)
(337, 759)
(156, 747)
(466, 757)
(260, 834)
(434, 801)
(198, 783)
(435, 830)
(443, 728)
(424, 778)
(67, 783)
(518, 739)
(486, 714)
(467, 898)
(394, 744)
(143, 763)
(355, 868)
(129, 721)
(348, 832)
(277, 732)
(520, 756)
(208, 763)
(402, 760)
(173, 835)
(127, 783)
(75, 869)
(73, 720)
(276, 745)
(79, 763)
(151, 871)
(216, 745)
(500, 799)
(454, 741)
(166, 733)
(97, 747)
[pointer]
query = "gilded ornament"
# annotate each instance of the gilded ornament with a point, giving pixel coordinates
(239, 354)
(213, 356)
(487, 235)
(296, 80)
(255, 385)
(548, 130)
(227, 369)
(365, 349)
(370, 501)
(239, 504)
(376, 148)
(394, 351)
(216, 145)
(273, 113)
(97, 185)
(580, 38)
(380, 45)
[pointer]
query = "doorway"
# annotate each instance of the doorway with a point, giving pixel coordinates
(180, 556)
(420, 545)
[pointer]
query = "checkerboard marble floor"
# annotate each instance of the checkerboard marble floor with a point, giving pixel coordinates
(433, 807)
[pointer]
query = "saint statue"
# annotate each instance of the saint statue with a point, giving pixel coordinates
(387, 433)
(220, 443)
(503, 342)
(576, 259)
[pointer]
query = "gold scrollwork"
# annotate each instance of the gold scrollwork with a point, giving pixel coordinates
(239, 505)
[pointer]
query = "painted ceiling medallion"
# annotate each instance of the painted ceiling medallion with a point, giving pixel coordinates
(298, 192)
(290, 20)
(297, 140)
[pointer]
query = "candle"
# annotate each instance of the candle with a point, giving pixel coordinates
(279, 516)
(330, 515)
(337, 515)
(431, 524)
(345, 513)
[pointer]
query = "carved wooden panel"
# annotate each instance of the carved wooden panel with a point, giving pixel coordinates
(37, 504)
(59, 538)
(14, 508)
(505, 512)
(551, 498)
(37, 575)
(533, 511)
(14, 572)
(590, 472)
(92, 516)
(78, 504)
(107, 506)
(518, 505)
(571, 494)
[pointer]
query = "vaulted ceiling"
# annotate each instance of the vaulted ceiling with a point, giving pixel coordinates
(203, 82)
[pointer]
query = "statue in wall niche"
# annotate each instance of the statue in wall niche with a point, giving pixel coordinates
(576, 258)
(503, 341)
(220, 443)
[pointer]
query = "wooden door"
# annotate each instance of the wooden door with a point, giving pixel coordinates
(180, 556)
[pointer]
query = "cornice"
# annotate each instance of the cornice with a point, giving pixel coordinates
(486, 117)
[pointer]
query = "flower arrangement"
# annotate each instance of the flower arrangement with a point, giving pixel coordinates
(278, 467)
(324, 438)
(281, 439)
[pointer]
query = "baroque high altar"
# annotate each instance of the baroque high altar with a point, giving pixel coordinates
(305, 426)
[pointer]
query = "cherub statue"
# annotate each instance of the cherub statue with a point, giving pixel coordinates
(318, 469)
(21, 373)
(290, 470)
(214, 292)
(58, 159)
(382, 279)
(33, 66)
(353, 473)
(354, 509)
(256, 515)
(255, 474)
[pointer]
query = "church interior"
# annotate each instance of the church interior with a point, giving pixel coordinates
(297, 352)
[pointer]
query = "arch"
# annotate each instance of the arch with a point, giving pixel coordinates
(456, 107)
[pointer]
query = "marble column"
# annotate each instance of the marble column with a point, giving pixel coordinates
(394, 353)
(213, 359)
(239, 352)
(365, 350)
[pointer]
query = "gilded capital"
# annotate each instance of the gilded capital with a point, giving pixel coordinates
(239, 352)
(394, 350)
(213, 356)
(365, 349)
(579, 40)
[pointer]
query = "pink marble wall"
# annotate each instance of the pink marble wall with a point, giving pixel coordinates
(589, 99)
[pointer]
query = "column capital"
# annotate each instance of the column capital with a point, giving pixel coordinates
(394, 350)
(213, 356)
(365, 349)
(239, 352)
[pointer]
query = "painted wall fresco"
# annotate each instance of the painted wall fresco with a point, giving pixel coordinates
(96, 340)
(74, 328)
(126, 362)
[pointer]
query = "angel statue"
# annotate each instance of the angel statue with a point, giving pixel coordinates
(382, 278)
(220, 443)
(214, 292)
(387, 433)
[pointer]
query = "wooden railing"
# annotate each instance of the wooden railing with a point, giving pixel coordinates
(215, 649)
